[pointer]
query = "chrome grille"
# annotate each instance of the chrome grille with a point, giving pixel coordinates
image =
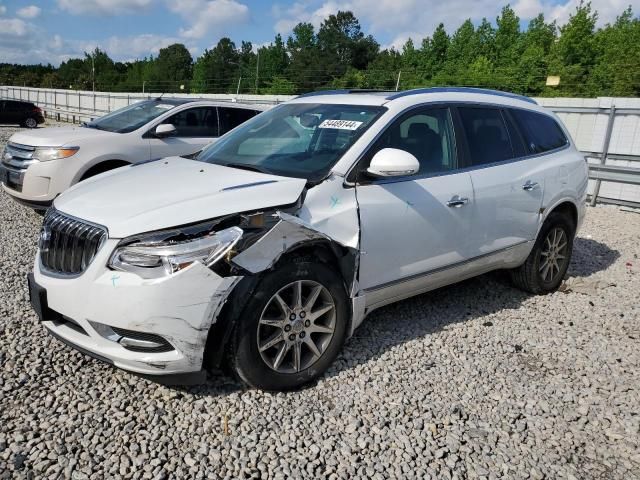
(17, 155)
(68, 245)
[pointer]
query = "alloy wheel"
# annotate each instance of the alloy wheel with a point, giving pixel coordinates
(553, 255)
(31, 123)
(296, 326)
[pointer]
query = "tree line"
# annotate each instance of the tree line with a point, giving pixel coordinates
(588, 60)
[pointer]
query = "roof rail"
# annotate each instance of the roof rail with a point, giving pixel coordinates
(323, 92)
(483, 91)
(343, 92)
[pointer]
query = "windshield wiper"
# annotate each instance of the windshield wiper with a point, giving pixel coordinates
(244, 166)
(91, 125)
(191, 156)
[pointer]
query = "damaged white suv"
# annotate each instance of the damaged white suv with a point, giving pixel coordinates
(267, 250)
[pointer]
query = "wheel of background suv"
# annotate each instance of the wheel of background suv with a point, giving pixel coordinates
(292, 327)
(547, 263)
(30, 122)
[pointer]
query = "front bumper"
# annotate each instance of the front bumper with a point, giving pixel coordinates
(39, 183)
(180, 308)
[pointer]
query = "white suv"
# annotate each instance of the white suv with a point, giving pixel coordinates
(38, 165)
(268, 249)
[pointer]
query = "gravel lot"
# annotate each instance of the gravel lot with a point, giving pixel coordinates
(477, 380)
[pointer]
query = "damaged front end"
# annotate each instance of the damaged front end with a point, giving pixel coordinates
(239, 248)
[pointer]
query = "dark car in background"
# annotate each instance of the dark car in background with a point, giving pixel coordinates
(16, 112)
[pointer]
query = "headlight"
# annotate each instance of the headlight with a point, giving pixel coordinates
(45, 154)
(159, 259)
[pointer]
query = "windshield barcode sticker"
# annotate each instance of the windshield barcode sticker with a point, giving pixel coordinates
(341, 124)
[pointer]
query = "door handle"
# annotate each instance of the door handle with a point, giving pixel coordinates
(457, 201)
(529, 185)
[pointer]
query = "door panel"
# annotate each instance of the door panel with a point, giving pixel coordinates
(407, 228)
(504, 212)
(508, 193)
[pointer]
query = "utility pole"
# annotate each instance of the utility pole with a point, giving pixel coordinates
(93, 72)
(398, 81)
(257, 69)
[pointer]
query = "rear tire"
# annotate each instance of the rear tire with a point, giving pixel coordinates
(547, 264)
(292, 327)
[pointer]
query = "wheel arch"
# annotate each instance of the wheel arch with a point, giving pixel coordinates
(320, 250)
(566, 206)
(100, 167)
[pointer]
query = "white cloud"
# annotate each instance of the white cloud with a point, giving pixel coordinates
(139, 46)
(210, 18)
(103, 7)
(29, 12)
(22, 42)
(12, 27)
(3, 9)
(396, 18)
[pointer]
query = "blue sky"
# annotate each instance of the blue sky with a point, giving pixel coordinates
(51, 31)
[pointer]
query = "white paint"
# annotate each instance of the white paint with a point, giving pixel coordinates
(173, 191)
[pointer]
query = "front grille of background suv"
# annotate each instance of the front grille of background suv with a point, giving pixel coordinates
(68, 245)
(17, 155)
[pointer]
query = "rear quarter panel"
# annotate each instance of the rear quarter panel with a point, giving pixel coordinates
(566, 179)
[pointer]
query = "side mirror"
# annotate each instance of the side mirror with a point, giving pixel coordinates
(165, 130)
(392, 162)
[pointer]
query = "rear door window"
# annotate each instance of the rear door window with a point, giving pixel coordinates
(195, 122)
(486, 134)
(230, 117)
(541, 132)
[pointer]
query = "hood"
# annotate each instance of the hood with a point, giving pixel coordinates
(173, 191)
(56, 136)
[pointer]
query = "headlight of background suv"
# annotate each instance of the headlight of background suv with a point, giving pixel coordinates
(160, 259)
(44, 154)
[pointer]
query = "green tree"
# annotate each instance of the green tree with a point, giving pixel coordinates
(574, 54)
(433, 53)
(217, 70)
(272, 61)
(463, 50)
(173, 68)
(342, 43)
(532, 66)
(306, 70)
(616, 71)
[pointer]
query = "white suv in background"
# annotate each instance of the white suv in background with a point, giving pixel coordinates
(270, 247)
(38, 165)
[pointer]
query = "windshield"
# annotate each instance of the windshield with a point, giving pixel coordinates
(131, 118)
(301, 140)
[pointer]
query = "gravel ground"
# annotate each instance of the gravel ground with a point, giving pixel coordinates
(478, 380)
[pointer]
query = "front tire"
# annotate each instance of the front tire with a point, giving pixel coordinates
(292, 328)
(30, 122)
(547, 264)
